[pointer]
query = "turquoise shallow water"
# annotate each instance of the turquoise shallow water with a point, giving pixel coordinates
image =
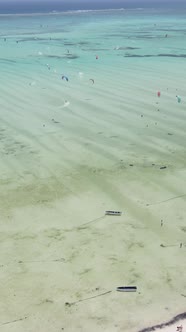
(116, 36)
(139, 52)
(71, 150)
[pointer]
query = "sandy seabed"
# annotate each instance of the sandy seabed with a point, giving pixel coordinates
(66, 158)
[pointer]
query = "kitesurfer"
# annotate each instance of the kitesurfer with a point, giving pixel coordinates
(64, 78)
(178, 99)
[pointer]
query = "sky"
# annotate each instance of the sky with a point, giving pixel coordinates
(105, 2)
(94, 1)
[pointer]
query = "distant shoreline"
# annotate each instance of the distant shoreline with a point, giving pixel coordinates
(86, 11)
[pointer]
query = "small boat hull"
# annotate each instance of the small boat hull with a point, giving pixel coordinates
(127, 289)
(113, 213)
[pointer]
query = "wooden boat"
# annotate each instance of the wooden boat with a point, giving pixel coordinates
(127, 289)
(113, 213)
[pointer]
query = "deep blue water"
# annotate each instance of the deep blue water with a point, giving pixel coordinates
(8, 7)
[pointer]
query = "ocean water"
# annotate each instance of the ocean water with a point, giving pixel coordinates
(119, 36)
(130, 55)
(69, 150)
